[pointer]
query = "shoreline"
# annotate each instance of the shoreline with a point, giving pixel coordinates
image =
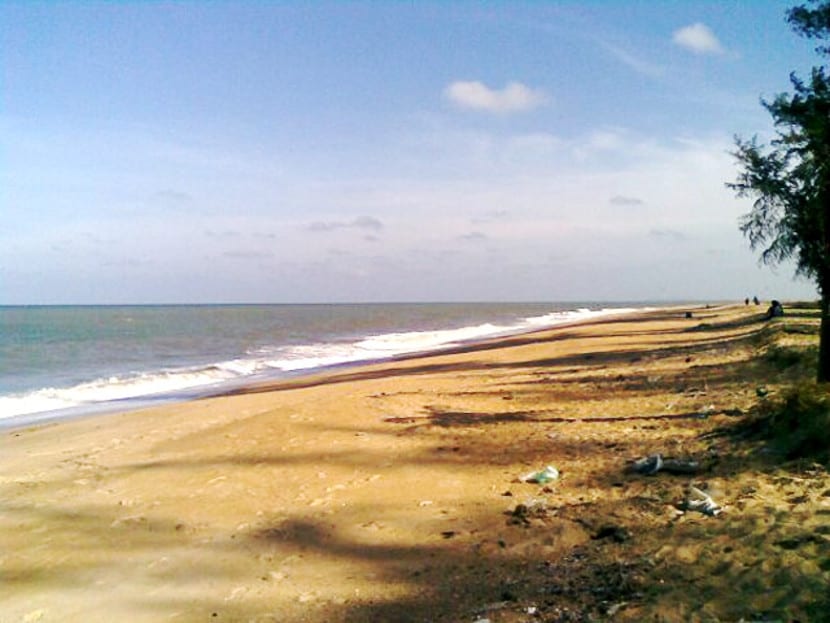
(231, 386)
(390, 491)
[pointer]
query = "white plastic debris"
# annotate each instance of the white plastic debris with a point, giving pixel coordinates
(541, 477)
(701, 502)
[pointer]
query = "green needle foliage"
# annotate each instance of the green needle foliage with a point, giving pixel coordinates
(790, 178)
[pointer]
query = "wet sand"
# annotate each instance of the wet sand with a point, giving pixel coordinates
(390, 492)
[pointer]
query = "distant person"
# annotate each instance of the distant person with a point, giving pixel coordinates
(775, 310)
(755, 300)
(746, 301)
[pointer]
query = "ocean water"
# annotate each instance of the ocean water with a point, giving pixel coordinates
(63, 361)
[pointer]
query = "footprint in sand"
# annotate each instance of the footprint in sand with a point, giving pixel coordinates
(131, 521)
(372, 525)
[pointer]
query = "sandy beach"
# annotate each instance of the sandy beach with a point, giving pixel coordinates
(391, 492)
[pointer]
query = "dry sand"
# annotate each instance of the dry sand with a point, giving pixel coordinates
(390, 492)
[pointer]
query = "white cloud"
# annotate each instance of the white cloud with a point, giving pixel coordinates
(671, 235)
(605, 140)
(492, 216)
(639, 65)
(361, 222)
(620, 200)
(473, 236)
(535, 145)
(169, 195)
(248, 255)
(222, 234)
(515, 97)
(600, 142)
(698, 38)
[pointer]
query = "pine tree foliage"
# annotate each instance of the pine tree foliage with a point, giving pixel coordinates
(789, 179)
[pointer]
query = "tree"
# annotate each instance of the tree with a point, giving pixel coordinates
(790, 178)
(813, 23)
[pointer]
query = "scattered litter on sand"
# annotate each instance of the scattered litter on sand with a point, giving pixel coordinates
(548, 474)
(523, 513)
(654, 463)
(699, 501)
(648, 465)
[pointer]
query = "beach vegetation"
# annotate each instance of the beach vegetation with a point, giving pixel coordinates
(798, 421)
(784, 357)
(789, 179)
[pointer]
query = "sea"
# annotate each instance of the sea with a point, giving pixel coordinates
(64, 361)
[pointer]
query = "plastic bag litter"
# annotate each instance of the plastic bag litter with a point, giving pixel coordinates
(650, 465)
(541, 477)
(701, 502)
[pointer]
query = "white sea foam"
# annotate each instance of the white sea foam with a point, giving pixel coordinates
(110, 389)
(272, 360)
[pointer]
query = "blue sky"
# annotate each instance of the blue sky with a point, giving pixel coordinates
(383, 151)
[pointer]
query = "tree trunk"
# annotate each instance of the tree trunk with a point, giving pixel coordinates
(823, 280)
(824, 340)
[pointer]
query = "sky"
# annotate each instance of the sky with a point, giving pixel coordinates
(277, 152)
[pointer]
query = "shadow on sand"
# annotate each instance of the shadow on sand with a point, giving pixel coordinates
(579, 557)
